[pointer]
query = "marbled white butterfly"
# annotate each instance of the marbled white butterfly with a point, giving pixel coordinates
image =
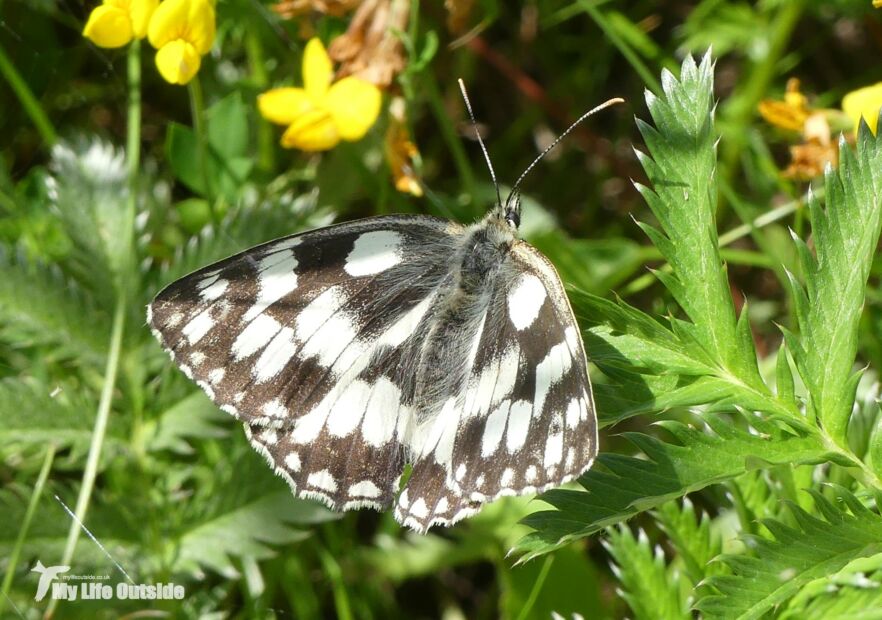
(352, 350)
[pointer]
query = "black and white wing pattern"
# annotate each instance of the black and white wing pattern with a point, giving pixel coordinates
(352, 350)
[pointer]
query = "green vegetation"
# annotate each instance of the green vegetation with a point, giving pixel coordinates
(734, 330)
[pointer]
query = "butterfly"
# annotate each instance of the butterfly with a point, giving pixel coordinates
(355, 350)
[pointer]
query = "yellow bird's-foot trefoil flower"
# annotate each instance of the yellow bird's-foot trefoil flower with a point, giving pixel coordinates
(864, 102)
(322, 113)
(117, 22)
(183, 32)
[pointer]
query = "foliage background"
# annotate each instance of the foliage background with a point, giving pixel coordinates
(179, 495)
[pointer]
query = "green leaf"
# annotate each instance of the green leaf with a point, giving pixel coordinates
(651, 590)
(691, 535)
(31, 416)
(618, 486)
(681, 168)
(193, 417)
(845, 233)
(244, 515)
(89, 190)
(780, 566)
(55, 311)
(227, 171)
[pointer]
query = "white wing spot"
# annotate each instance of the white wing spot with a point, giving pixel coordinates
(275, 409)
(322, 480)
(198, 326)
(554, 445)
(173, 321)
(574, 411)
(365, 488)
(374, 252)
(292, 461)
(347, 412)
(381, 415)
(530, 474)
(197, 357)
(216, 375)
(419, 509)
(407, 324)
(494, 429)
(276, 278)
(518, 425)
(460, 472)
(255, 337)
(525, 300)
(507, 477)
(214, 291)
(442, 506)
(549, 371)
(275, 356)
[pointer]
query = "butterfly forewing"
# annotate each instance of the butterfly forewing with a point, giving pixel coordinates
(352, 350)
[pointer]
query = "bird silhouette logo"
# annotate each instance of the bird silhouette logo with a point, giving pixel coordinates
(47, 576)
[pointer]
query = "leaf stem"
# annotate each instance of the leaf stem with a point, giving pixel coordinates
(197, 111)
(123, 286)
(27, 99)
(266, 153)
(48, 459)
(630, 55)
(537, 588)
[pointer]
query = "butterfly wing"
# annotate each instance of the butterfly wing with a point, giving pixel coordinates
(301, 339)
(524, 419)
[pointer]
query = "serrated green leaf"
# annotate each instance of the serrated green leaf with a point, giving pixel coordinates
(56, 311)
(193, 417)
(650, 588)
(683, 199)
(618, 486)
(846, 233)
(779, 566)
(696, 543)
(784, 377)
(31, 416)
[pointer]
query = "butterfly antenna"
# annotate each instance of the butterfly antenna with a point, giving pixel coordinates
(514, 190)
(480, 141)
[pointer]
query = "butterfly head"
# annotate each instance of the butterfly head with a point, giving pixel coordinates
(511, 211)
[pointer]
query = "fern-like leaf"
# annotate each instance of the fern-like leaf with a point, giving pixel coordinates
(778, 567)
(618, 487)
(652, 590)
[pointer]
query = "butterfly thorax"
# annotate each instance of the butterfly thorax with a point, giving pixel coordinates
(463, 310)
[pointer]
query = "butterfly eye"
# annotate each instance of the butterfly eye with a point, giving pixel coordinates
(513, 218)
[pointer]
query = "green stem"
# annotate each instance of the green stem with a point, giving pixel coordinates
(742, 106)
(197, 110)
(26, 524)
(123, 285)
(454, 143)
(630, 55)
(28, 101)
(537, 588)
(266, 152)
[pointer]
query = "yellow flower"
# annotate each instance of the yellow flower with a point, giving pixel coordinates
(321, 114)
(182, 31)
(864, 102)
(791, 113)
(116, 22)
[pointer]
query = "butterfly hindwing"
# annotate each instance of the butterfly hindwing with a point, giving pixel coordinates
(524, 419)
